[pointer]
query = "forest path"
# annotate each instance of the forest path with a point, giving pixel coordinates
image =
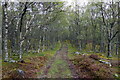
(59, 66)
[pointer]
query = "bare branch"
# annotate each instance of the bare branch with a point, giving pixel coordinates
(114, 35)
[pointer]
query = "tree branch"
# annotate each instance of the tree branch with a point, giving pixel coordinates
(114, 35)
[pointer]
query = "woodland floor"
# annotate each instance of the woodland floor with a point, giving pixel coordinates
(80, 66)
(58, 67)
(62, 66)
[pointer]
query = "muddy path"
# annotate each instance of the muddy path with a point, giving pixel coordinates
(59, 66)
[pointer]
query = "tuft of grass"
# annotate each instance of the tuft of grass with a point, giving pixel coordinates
(59, 69)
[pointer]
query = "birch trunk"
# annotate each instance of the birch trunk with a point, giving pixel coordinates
(39, 45)
(6, 32)
(20, 54)
(119, 30)
(117, 48)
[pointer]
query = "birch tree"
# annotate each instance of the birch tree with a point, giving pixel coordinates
(5, 22)
(109, 21)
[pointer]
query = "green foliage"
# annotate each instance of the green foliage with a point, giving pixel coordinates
(90, 28)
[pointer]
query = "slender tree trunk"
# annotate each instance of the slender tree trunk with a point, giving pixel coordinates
(39, 45)
(20, 55)
(93, 31)
(6, 31)
(20, 27)
(43, 46)
(93, 38)
(109, 49)
(85, 39)
(80, 45)
(102, 47)
(119, 29)
(93, 45)
(117, 47)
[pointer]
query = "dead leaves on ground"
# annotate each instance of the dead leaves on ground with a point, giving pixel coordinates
(88, 67)
(30, 67)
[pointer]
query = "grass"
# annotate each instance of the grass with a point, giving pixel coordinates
(48, 53)
(59, 69)
(71, 49)
(29, 58)
(0, 62)
(88, 51)
(51, 53)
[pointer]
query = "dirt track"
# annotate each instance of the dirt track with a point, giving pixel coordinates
(59, 66)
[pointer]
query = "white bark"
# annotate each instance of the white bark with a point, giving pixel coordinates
(117, 47)
(28, 24)
(6, 34)
(22, 37)
(20, 55)
(39, 45)
(80, 46)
